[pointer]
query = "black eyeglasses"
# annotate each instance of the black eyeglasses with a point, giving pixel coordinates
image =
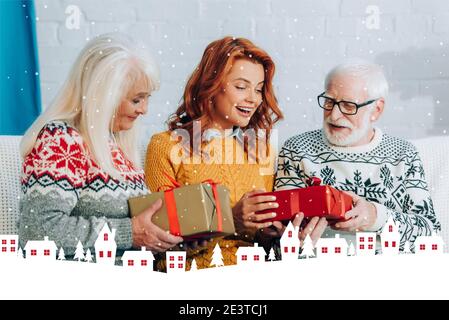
(346, 107)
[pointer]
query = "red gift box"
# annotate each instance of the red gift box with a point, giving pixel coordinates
(313, 201)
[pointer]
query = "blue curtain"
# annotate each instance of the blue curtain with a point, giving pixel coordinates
(20, 99)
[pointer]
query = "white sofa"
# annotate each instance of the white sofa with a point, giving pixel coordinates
(434, 153)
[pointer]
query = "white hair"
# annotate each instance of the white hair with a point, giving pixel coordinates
(102, 76)
(372, 74)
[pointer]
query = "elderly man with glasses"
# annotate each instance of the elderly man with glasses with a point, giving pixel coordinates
(383, 174)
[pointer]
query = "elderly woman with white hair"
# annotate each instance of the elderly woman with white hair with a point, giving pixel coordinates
(384, 174)
(80, 156)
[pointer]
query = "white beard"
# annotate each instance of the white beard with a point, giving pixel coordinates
(355, 136)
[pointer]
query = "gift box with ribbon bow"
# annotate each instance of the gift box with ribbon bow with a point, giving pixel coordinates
(194, 212)
(314, 201)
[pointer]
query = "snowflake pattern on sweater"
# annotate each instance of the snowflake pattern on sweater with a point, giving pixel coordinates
(68, 197)
(388, 172)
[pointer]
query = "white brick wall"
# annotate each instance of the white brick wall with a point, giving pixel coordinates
(305, 38)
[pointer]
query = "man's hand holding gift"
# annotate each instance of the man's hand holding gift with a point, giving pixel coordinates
(361, 217)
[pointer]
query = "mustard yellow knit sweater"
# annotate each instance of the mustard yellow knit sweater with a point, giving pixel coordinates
(239, 178)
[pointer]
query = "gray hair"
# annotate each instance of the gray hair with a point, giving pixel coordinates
(372, 74)
(99, 80)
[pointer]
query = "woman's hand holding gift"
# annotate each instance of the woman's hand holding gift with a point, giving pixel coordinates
(244, 211)
(147, 234)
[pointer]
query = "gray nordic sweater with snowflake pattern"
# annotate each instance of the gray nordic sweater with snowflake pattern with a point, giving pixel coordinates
(387, 172)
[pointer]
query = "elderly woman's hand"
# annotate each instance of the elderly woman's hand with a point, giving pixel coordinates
(147, 234)
(244, 211)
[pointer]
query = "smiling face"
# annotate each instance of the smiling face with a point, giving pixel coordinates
(132, 106)
(240, 95)
(350, 130)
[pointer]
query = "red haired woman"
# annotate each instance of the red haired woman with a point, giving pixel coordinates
(228, 99)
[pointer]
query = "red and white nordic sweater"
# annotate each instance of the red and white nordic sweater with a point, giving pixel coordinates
(68, 197)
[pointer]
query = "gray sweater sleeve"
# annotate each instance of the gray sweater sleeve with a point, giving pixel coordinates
(50, 215)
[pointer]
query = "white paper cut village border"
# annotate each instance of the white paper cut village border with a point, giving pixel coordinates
(105, 249)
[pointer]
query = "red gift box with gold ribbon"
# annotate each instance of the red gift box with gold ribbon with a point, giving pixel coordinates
(197, 211)
(314, 201)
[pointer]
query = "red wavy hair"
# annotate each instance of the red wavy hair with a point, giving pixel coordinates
(208, 79)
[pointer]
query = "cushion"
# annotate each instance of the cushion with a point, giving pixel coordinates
(10, 166)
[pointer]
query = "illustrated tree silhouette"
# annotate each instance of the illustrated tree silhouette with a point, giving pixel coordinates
(88, 257)
(193, 266)
(61, 254)
(217, 257)
(307, 248)
(271, 255)
(79, 252)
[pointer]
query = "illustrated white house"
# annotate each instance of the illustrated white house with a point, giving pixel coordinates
(433, 244)
(176, 261)
(41, 250)
(366, 243)
(8, 245)
(105, 246)
(390, 238)
(138, 259)
(331, 247)
(250, 255)
(290, 243)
